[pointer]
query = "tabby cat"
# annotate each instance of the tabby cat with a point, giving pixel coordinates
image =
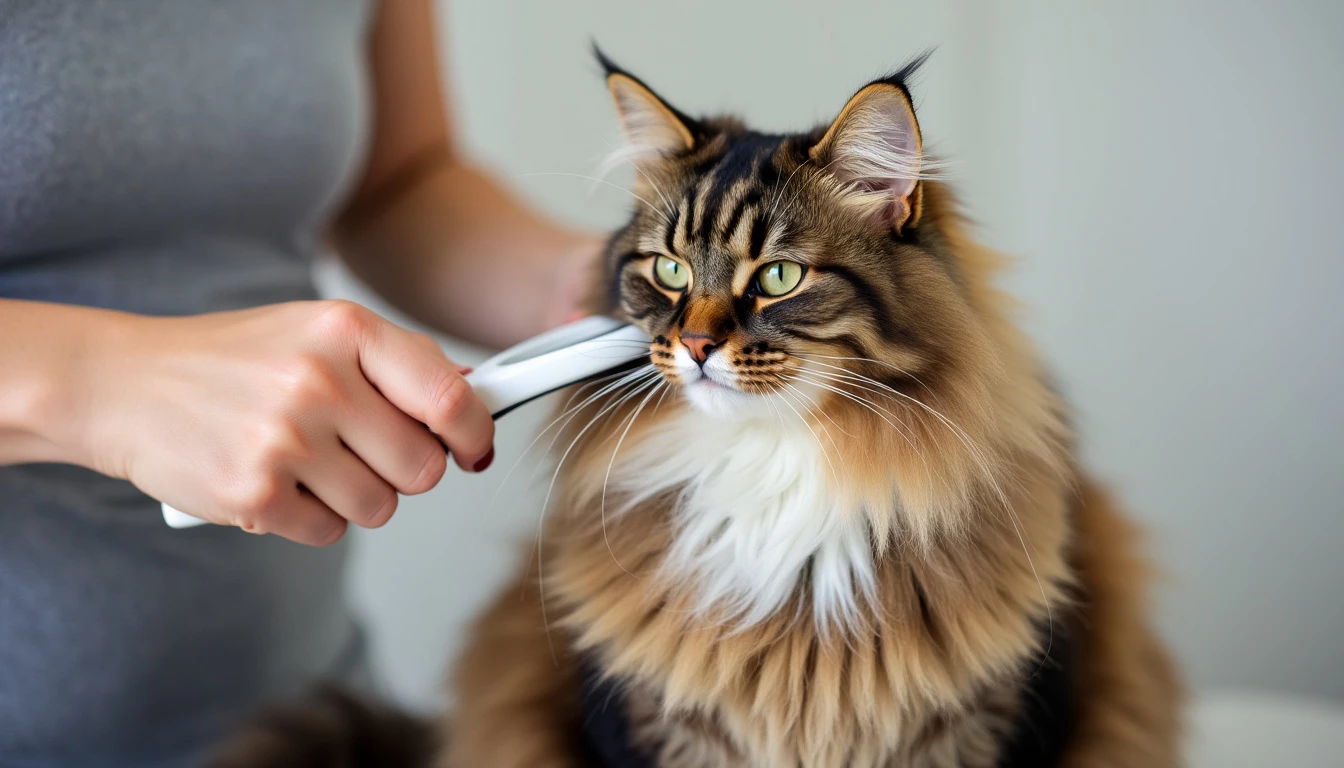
(836, 519)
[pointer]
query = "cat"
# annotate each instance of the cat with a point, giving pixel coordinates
(836, 518)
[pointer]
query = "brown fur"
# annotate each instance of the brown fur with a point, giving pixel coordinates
(333, 730)
(933, 675)
(1132, 695)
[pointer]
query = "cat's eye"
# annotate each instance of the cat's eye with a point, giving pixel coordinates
(670, 273)
(780, 277)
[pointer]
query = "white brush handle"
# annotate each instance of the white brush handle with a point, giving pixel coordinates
(541, 365)
(176, 518)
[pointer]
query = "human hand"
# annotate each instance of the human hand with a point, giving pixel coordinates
(295, 419)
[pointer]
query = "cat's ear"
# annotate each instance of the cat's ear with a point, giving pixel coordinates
(653, 128)
(875, 150)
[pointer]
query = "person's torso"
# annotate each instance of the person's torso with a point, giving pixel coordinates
(173, 156)
(164, 157)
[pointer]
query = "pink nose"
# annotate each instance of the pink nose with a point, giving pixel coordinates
(699, 345)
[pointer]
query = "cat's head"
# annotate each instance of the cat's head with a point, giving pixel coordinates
(778, 265)
(826, 274)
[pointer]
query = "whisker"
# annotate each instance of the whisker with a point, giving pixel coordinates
(775, 205)
(565, 410)
(651, 206)
(824, 453)
(628, 380)
(979, 457)
(541, 521)
(656, 190)
(828, 381)
(824, 414)
(851, 375)
(928, 471)
(662, 385)
(624, 155)
(779, 415)
(816, 358)
(794, 199)
(808, 405)
(570, 412)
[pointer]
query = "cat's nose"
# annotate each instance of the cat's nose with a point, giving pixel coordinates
(699, 345)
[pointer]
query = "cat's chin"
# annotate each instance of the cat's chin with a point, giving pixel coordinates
(724, 402)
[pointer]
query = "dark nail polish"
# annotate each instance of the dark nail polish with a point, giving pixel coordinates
(484, 463)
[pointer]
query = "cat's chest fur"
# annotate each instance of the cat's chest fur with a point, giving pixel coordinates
(761, 508)
(733, 580)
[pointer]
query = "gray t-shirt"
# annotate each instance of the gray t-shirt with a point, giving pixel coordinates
(165, 157)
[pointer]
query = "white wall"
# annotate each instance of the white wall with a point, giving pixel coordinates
(1169, 177)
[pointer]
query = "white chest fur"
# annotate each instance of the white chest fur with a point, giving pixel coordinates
(761, 509)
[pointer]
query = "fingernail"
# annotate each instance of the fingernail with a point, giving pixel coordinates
(484, 463)
(465, 371)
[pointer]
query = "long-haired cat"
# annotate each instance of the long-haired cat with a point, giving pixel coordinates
(836, 520)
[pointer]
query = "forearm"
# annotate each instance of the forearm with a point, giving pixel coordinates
(46, 350)
(461, 254)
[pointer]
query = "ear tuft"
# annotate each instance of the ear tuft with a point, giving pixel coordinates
(874, 149)
(609, 67)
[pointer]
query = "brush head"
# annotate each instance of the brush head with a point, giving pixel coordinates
(554, 360)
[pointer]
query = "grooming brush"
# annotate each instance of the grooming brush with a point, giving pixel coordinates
(534, 368)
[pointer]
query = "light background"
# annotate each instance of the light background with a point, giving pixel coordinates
(1169, 174)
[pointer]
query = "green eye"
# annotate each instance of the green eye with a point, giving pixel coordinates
(779, 278)
(671, 274)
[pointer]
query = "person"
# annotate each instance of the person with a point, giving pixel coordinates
(170, 170)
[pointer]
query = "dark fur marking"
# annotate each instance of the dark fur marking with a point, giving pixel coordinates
(926, 612)
(737, 163)
(865, 293)
(689, 219)
(743, 306)
(750, 199)
(846, 340)
(759, 229)
(617, 275)
(669, 239)
(679, 310)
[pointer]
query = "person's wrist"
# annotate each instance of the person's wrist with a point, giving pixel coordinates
(74, 404)
(26, 405)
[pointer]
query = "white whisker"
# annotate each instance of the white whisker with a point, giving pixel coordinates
(541, 521)
(629, 380)
(565, 411)
(607, 478)
(775, 205)
(816, 358)
(824, 453)
(596, 180)
(981, 460)
(877, 411)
